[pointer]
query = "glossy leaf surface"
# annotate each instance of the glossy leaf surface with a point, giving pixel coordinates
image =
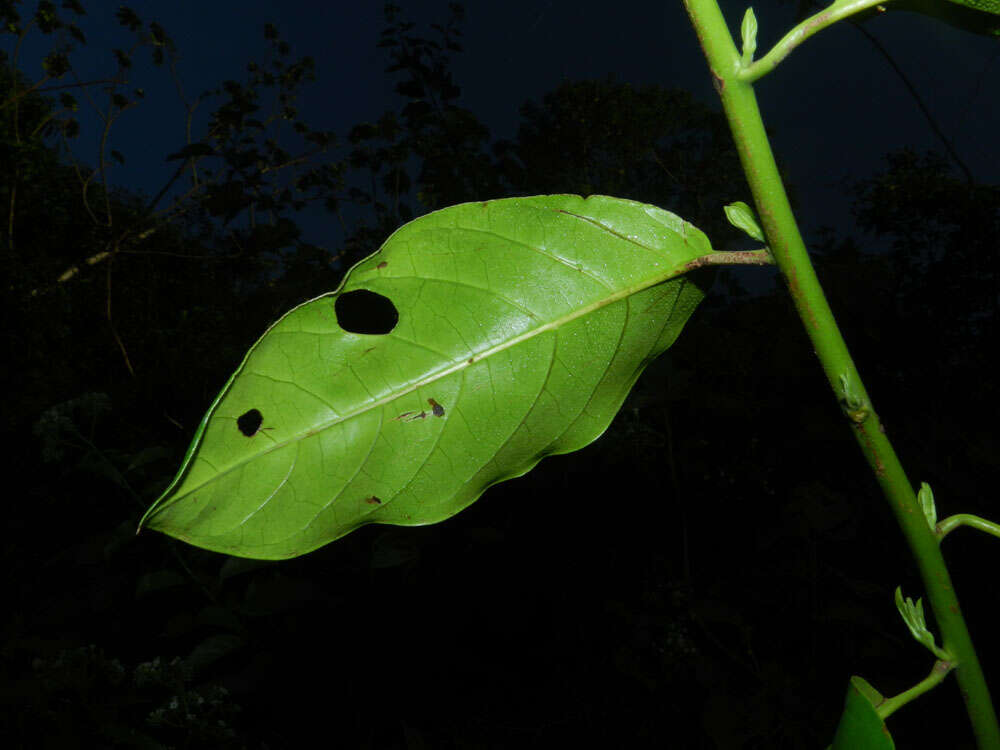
(477, 340)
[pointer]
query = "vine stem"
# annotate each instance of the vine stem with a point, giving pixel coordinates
(792, 259)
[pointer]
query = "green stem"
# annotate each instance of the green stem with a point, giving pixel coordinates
(967, 519)
(890, 705)
(785, 241)
(835, 12)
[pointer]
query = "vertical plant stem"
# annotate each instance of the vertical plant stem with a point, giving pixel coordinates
(791, 257)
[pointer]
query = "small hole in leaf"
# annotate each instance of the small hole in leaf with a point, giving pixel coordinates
(249, 422)
(364, 311)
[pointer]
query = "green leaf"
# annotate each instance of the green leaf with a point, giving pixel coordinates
(926, 498)
(748, 30)
(860, 727)
(478, 340)
(741, 216)
(913, 615)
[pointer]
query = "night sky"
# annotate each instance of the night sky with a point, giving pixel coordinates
(835, 107)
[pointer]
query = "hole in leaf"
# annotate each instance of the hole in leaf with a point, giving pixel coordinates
(250, 422)
(364, 311)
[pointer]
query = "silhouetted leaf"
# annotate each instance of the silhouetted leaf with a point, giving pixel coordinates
(128, 18)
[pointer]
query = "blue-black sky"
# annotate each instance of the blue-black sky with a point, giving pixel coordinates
(835, 106)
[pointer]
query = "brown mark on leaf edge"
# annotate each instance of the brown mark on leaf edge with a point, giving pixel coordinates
(372, 500)
(409, 416)
(383, 264)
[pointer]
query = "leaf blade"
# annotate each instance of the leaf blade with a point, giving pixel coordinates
(522, 324)
(860, 726)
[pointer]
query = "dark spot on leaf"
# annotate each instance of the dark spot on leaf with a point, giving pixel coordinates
(409, 416)
(383, 264)
(436, 407)
(373, 500)
(364, 311)
(250, 422)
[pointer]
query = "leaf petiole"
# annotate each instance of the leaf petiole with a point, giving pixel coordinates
(967, 519)
(890, 705)
(760, 257)
(831, 14)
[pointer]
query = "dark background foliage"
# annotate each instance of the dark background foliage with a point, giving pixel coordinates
(745, 572)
